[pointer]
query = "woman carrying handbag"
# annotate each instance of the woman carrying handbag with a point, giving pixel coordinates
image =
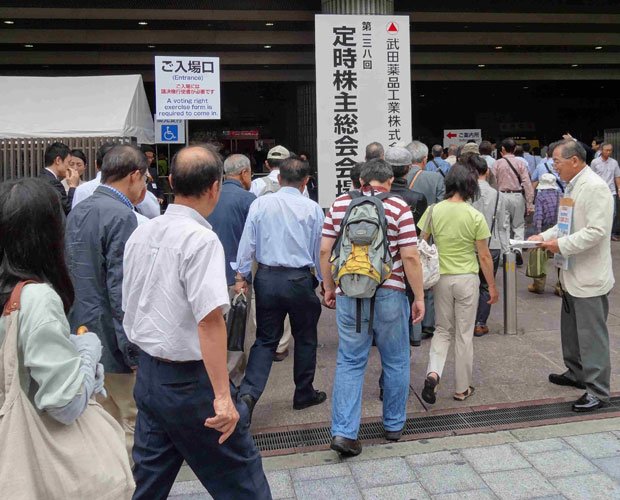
(56, 442)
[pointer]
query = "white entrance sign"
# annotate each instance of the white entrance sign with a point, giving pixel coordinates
(363, 92)
(187, 88)
(461, 136)
(170, 131)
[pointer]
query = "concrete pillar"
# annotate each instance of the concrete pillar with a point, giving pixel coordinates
(377, 7)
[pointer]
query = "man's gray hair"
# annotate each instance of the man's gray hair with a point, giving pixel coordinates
(603, 144)
(418, 150)
(453, 149)
(374, 150)
(235, 164)
(570, 148)
(437, 150)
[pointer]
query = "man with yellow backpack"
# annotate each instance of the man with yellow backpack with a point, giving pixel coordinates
(368, 250)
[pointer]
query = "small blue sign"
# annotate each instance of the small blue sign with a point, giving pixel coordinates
(169, 133)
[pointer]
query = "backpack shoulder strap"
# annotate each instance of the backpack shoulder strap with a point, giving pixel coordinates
(414, 178)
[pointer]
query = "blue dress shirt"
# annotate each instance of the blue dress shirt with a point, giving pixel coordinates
(443, 165)
(228, 221)
(282, 229)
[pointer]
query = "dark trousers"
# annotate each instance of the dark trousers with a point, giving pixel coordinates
(585, 342)
(484, 309)
(174, 400)
(282, 291)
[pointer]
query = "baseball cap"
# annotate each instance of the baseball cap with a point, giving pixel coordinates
(278, 153)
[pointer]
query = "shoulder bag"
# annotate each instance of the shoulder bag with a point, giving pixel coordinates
(429, 256)
(42, 458)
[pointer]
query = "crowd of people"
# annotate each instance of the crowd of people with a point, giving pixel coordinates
(128, 306)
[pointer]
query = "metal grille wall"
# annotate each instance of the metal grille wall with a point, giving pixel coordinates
(306, 120)
(612, 136)
(25, 157)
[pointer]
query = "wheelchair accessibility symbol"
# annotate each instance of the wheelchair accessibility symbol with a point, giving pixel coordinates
(169, 133)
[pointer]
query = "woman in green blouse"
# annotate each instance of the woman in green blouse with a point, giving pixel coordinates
(60, 370)
(459, 231)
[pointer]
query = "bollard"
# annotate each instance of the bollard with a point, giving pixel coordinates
(510, 293)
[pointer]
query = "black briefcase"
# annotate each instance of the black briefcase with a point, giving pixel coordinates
(236, 321)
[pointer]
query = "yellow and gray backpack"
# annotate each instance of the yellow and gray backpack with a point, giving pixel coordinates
(361, 259)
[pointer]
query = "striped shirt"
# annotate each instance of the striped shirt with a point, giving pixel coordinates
(401, 230)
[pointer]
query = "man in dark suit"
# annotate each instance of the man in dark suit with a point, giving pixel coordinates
(97, 230)
(57, 158)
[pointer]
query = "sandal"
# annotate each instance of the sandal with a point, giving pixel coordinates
(464, 395)
(430, 388)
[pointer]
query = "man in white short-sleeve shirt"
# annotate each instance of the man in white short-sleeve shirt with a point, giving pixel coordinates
(174, 297)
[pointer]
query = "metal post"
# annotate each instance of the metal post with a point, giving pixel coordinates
(510, 293)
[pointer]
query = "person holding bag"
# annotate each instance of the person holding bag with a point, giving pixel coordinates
(57, 442)
(458, 230)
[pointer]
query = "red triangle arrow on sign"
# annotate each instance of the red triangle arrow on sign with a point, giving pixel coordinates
(392, 28)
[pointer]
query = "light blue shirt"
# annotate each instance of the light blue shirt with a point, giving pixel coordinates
(282, 229)
(443, 165)
(531, 163)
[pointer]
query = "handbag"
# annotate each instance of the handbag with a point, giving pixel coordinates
(236, 322)
(429, 256)
(42, 458)
(537, 263)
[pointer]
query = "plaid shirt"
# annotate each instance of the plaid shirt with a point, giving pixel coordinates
(546, 209)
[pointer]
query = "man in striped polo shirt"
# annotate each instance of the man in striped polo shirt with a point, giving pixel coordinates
(390, 326)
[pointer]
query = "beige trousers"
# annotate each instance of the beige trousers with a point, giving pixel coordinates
(120, 403)
(456, 300)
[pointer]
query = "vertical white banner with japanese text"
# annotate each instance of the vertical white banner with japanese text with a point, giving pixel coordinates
(363, 92)
(187, 88)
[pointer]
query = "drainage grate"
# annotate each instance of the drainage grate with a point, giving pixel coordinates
(321, 436)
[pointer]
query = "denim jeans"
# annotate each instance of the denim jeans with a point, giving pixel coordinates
(429, 306)
(391, 333)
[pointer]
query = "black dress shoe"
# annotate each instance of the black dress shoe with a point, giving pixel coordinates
(345, 446)
(588, 402)
(415, 343)
(561, 379)
(427, 333)
(319, 397)
(393, 435)
(250, 402)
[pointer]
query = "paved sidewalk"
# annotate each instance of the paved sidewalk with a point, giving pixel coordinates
(579, 460)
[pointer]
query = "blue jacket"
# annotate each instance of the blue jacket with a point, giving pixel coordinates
(96, 233)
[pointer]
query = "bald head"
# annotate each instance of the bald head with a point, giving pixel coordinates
(194, 170)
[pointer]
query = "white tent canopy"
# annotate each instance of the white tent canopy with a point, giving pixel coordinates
(85, 106)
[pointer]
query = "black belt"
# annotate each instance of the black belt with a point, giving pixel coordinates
(265, 267)
(170, 361)
(510, 191)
